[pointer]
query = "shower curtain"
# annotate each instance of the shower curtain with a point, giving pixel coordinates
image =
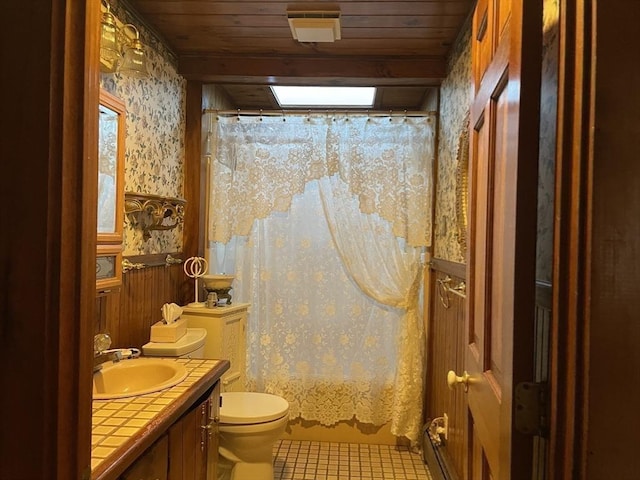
(323, 218)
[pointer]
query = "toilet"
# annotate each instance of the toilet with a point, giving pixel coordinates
(250, 424)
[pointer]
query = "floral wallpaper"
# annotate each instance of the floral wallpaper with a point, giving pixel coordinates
(154, 147)
(455, 98)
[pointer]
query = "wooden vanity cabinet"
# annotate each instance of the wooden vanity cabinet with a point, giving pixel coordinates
(189, 449)
(193, 442)
(152, 465)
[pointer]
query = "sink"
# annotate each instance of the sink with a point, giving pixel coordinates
(137, 376)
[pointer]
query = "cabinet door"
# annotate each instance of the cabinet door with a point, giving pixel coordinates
(213, 439)
(187, 446)
(193, 442)
(226, 338)
(233, 343)
(152, 465)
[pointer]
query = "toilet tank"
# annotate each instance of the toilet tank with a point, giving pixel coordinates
(190, 345)
(226, 339)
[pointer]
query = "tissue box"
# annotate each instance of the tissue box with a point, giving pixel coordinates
(163, 333)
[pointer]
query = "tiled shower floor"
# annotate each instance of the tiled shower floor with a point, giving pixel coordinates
(305, 460)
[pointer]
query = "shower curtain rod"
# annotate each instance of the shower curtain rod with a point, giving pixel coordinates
(275, 113)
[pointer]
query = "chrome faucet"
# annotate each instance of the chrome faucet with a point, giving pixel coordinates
(107, 356)
(101, 352)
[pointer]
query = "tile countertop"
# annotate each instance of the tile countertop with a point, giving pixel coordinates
(123, 428)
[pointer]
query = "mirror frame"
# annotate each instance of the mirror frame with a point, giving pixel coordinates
(116, 105)
(109, 244)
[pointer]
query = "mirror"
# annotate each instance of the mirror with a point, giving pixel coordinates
(110, 212)
(110, 169)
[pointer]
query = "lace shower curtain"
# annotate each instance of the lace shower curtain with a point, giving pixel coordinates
(323, 219)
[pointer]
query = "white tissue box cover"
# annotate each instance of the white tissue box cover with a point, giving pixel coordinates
(163, 333)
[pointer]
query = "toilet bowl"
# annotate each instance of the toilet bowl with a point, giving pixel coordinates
(250, 424)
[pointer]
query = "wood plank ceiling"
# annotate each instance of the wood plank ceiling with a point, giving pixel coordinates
(400, 47)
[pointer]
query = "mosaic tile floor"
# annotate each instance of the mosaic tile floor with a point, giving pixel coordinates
(304, 460)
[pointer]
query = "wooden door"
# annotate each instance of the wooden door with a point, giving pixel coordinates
(501, 264)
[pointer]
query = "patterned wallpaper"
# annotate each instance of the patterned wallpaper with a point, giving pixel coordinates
(455, 97)
(546, 164)
(154, 148)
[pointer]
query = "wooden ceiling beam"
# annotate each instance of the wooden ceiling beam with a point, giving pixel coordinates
(271, 70)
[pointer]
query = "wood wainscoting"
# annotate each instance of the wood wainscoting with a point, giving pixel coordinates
(446, 345)
(127, 314)
(445, 351)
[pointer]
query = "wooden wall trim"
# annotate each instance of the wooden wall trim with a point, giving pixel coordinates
(127, 315)
(568, 371)
(444, 353)
(458, 270)
(247, 69)
(48, 185)
(193, 173)
(156, 259)
(598, 236)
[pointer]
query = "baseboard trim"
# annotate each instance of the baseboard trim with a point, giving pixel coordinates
(436, 459)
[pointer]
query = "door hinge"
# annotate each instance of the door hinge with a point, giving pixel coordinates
(531, 414)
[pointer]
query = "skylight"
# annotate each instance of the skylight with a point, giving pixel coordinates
(332, 97)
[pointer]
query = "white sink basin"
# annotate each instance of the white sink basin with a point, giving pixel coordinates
(137, 376)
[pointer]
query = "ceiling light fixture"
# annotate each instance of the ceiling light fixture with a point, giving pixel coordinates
(314, 26)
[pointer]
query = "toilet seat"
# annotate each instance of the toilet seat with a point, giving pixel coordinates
(245, 408)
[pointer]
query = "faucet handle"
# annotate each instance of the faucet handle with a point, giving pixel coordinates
(101, 342)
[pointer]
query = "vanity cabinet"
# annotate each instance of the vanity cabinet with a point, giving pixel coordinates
(189, 449)
(193, 442)
(152, 465)
(226, 338)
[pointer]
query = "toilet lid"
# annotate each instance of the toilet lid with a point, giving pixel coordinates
(190, 341)
(242, 408)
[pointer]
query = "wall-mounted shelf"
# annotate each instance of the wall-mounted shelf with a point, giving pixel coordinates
(149, 212)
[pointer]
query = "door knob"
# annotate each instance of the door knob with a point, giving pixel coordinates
(453, 379)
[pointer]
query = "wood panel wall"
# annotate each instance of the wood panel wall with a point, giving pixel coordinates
(446, 352)
(446, 345)
(127, 315)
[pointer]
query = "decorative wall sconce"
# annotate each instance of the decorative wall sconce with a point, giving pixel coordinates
(148, 212)
(120, 47)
